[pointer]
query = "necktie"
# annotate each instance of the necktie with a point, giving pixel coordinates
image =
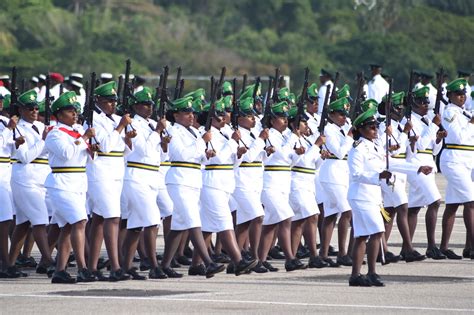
(224, 135)
(423, 119)
(191, 131)
(252, 135)
(110, 117)
(342, 131)
(3, 123)
(151, 127)
(399, 128)
(35, 129)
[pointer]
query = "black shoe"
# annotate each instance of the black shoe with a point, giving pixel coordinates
(134, 274)
(62, 277)
(99, 276)
(359, 281)
(103, 263)
(41, 269)
(331, 262)
(466, 253)
(259, 268)
(71, 260)
(145, 265)
(158, 273)
(230, 268)
(317, 262)
(221, 258)
(199, 270)
(174, 263)
(183, 260)
(302, 252)
(14, 272)
(275, 253)
(214, 268)
(171, 273)
(118, 275)
(374, 280)
(25, 262)
(391, 257)
(246, 255)
(84, 275)
(332, 251)
(294, 264)
(269, 266)
(159, 256)
(51, 270)
(344, 260)
(188, 252)
(402, 255)
(413, 256)
(245, 266)
(435, 253)
(3, 275)
(450, 254)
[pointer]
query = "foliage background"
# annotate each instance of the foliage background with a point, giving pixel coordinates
(246, 36)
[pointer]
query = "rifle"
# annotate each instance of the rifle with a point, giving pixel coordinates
(119, 89)
(61, 89)
(212, 109)
(235, 108)
(333, 92)
(439, 95)
(409, 100)
(163, 92)
(181, 88)
(388, 107)
(254, 93)
(244, 83)
(267, 112)
(275, 86)
(13, 110)
(178, 80)
(219, 84)
(126, 87)
(302, 100)
(355, 108)
(23, 85)
(324, 113)
(90, 103)
(47, 102)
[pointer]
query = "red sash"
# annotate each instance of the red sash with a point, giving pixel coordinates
(72, 133)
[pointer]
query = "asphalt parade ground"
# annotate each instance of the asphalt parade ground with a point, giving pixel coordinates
(443, 286)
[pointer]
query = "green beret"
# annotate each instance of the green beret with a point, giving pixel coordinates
(422, 92)
(313, 91)
(106, 90)
(291, 98)
(197, 94)
(66, 100)
(397, 99)
(365, 118)
(220, 105)
(226, 88)
(197, 106)
(249, 91)
(184, 104)
(343, 92)
(28, 98)
(6, 101)
(246, 106)
(280, 109)
(340, 105)
(367, 104)
(293, 112)
(283, 94)
(227, 100)
(144, 96)
(457, 85)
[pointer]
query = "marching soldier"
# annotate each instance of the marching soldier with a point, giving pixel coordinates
(326, 80)
(377, 87)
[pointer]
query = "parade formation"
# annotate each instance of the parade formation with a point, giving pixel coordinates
(244, 175)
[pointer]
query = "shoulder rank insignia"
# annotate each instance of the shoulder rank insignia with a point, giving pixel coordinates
(356, 143)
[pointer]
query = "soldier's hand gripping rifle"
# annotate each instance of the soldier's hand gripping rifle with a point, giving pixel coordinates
(388, 109)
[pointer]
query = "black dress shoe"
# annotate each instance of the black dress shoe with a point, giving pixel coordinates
(435, 253)
(294, 264)
(413, 256)
(221, 258)
(62, 277)
(244, 266)
(331, 263)
(14, 272)
(214, 268)
(183, 260)
(158, 273)
(344, 260)
(103, 263)
(259, 268)
(374, 280)
(25, 262)
(118, 275)
(391, 257)
(174, 263)
(99, 276)
(145, 265)
(199, 270)
(134, 274)
(246, 255)
(42, 269)
(269, 266)
(450, 254)
(359, 281)
(275, 253)
(332, 251)
(3, 275)
(230, 268)
(302, 252)
(466, 253)
(317, 262)
(84, 275)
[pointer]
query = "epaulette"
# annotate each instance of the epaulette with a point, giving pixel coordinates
(356, 143)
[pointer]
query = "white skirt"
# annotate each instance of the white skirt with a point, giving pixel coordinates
(366, 218)
(460, 187)
(276, 206)
(185, 207)
(103, 198)
(164, 202)
(232, 204)
(319, 189)
(215, 212)
(249, 205)
(30, 204)
(68, 207)
(335, 200)
(303, 204)
(141, 204)
(422, 190)
(6, 203)
(394, 196)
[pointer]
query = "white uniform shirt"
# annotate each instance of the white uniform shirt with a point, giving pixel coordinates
(251, 177)
(66, 150)
(304, 166)
(398, 136)
(322, 95)
(377, 88)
